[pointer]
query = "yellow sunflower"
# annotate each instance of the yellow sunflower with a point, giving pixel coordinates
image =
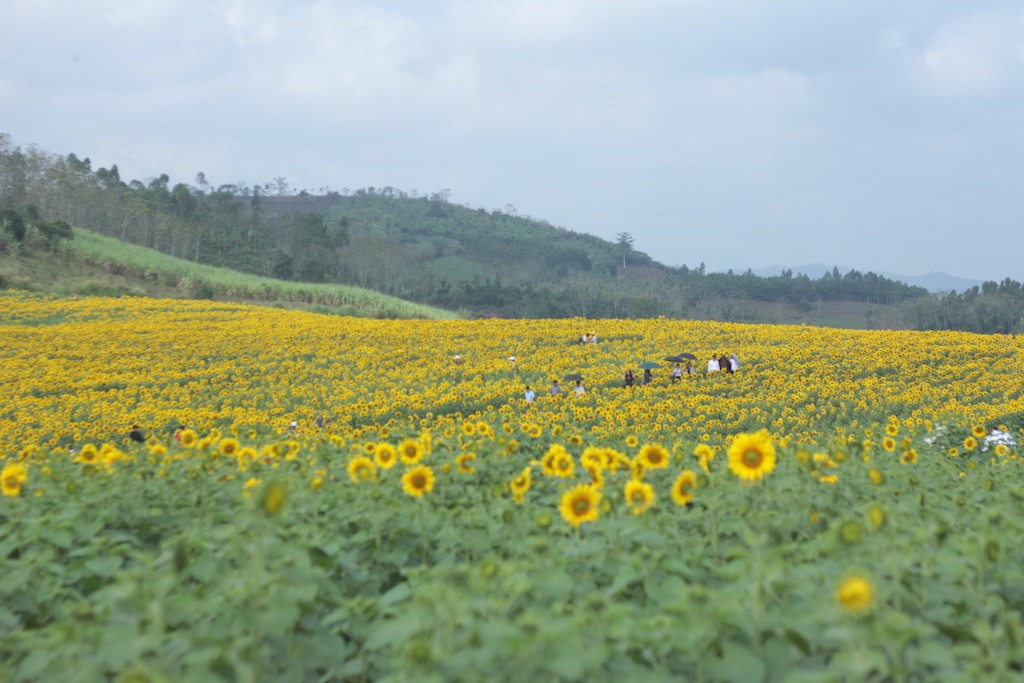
(463, 463)
(639, 496)
(752, 456)
(418, 481)
(557, 462)
(11, 479)
(653, 457)
(593, 457)
(520, 485)
(682, 488)
(88, 456)
(855, 594)
(385, 456)
(579, 504)
(704, 451)
(274, 497)
(228, 446)
(970, 443)
(889, 444)
(189, 438)
(978, 431)
(410, 451)
(361, 469)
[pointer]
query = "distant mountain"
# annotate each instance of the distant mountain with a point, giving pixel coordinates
(933, 282)
(936, 282)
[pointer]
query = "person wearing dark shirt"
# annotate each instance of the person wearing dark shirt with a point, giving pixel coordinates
(136, 435)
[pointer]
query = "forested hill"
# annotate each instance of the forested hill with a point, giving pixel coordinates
(426, 249)
(439, 243)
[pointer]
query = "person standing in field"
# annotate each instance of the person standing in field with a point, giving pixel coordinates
(530, 395)
(136, 434)
(677, 373)
(554, 390)
(628, 378)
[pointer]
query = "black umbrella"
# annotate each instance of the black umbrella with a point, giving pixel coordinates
(688, 356)
(573, 377)
(674, 359)
(649, 365)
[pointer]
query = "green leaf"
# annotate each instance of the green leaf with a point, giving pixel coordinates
(737, 664)
(393, 632)
(400, 592)
(103, 566)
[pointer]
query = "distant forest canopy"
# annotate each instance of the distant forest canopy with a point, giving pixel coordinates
(423, 248)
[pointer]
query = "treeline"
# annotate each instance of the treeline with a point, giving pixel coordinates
(991, 308)
(426, 249)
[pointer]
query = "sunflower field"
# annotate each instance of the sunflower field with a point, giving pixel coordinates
(319, 498)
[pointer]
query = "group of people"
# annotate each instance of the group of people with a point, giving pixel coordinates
(723, 363)
(554, 390)
(588, 338)
(719, 363)
(629, 379)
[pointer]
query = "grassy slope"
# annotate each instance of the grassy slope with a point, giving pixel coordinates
(95, 264)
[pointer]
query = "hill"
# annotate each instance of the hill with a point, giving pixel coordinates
(427, 250)
(92, 264)
(933, 282)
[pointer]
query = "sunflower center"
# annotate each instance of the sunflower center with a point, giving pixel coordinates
(581, 506)
(752, 458)
(419, 481)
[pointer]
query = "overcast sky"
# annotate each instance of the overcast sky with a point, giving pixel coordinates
(874, 134)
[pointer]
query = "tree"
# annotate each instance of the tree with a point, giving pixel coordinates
(12, 224)
(625, 242)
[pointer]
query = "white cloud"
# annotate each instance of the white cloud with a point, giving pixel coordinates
(972, 57)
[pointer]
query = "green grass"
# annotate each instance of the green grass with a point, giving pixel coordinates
(195, 280)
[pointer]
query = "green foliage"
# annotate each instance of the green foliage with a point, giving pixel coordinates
(12, 224)
(169, 571)
(206, 282)
(428, 250)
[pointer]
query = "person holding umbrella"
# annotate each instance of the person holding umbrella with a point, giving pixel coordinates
(647, 366)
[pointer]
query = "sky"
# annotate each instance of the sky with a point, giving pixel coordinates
(870, 134)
